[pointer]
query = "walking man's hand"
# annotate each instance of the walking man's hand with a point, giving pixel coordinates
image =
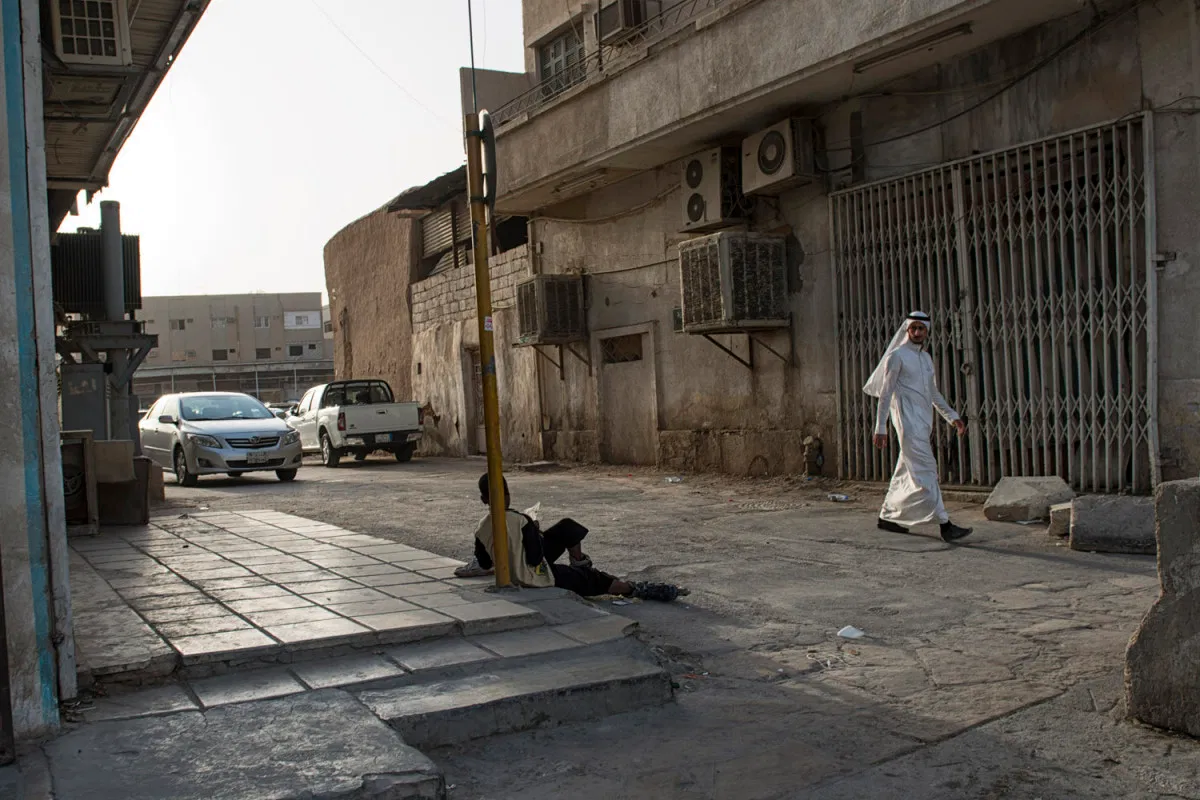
(961, 427)
(881, 441)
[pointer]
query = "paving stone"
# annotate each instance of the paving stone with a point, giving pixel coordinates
(418, 624)
(213, 574)
(212, 584)
(249, 593)
(114, 640)
(345, 670)
(424, 564)
(384, 605)
(370, 569)
(495, 615)
(144, 703)
(275, 603)
(447, 599)
(197, 649)
(242, 687)
(599, 629)
(316, 631)
(436, 654)
(283, 572)
(1022, 499)
(406, 557)
(438, 573)
(308, 575)
(289, 616)
(331, 561)
(200, 627)
(358, 595)
(320, 587)
(159, 589)
(192, 598)
(400, 578)
(184, 613)
(404, 591)
(1113, 524)
(270, 557)
(514, 644)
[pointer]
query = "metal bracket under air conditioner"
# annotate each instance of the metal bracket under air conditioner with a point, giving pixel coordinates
(560, 365)
(751, 340)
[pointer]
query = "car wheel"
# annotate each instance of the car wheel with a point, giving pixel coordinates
(405, 454)
(286, 475)
(330, 456)
(182, 476)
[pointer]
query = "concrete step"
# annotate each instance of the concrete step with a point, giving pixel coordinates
(506, 696)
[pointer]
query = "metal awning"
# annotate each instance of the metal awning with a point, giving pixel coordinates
(420, 200)
(90, 109)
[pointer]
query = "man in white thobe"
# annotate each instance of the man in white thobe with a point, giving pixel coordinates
(907, 390)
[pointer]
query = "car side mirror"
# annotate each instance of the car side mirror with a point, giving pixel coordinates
(167, 419)
(281, 414)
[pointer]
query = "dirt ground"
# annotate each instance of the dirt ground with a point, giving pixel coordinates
(988, 670)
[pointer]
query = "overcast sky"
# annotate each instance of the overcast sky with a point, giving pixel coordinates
(273, 131)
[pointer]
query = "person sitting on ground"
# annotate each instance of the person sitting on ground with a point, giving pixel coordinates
(532, 554)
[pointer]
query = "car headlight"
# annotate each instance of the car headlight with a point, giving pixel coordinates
(203, 440)
(291, 437)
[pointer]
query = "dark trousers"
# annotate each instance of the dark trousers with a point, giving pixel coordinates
(585, 581)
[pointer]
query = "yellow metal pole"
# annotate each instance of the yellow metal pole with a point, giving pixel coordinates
(487, 351)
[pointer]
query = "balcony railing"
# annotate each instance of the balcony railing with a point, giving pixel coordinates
(675, 17)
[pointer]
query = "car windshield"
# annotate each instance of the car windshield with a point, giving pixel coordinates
(210, 407)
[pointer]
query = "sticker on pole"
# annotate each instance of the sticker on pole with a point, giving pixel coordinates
(487, 323)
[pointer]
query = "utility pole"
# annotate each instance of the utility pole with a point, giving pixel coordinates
(487, 349)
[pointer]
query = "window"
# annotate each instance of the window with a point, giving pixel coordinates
(178, 325)
(302, 320)
(295, 350)
(223, 322)
(93, 32)
(560, 61)
(312, 347)
(621, 349)
(220, 355)
(262, 322)
(209, 407)
(178, 355)
(191, 354)
(262, 353)
(329, 326)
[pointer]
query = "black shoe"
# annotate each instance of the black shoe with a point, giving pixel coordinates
(891, 527)
(952, 533)
(662, 592)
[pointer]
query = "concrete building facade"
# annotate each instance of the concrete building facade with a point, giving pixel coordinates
(1024, 171)
(272, 346)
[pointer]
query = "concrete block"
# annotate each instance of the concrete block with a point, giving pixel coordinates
(1113, 524)
(515, 644)
(146, 703)
(600, 629)
(587, 686)
(1162, 663)
(113, 460)
(1021, 499)
(1060, 520)
(241, 687)
(345, 671)
(156, 490)
(315, 744)
(437, 654)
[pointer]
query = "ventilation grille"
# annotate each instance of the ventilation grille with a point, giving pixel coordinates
(733, 281)
(550, 310)
(77, 265)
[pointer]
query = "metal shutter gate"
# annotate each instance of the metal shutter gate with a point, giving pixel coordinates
(1036, 264)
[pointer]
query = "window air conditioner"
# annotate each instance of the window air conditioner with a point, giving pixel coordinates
(712, 190)
(618, 19)
(778, 158)
(91, 31)
(733, 281)
(550, 310)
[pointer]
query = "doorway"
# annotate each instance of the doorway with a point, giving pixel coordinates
(628, 400)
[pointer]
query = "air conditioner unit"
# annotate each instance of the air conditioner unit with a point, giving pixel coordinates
(618, 19)
(91, 32)
(550, 310)
(779, 157)
(712, 190)
(733, 281)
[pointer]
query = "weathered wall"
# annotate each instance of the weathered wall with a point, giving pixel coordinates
(445, 327)
(714, 412)
(369, 266)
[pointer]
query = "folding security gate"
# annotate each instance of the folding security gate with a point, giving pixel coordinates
(1036, 266)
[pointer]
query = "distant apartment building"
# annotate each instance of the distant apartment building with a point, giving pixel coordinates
(271, 346)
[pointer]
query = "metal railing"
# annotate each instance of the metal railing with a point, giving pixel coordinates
(661, 24)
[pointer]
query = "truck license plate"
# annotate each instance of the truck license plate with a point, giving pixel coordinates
(257, 458)
(382, 437)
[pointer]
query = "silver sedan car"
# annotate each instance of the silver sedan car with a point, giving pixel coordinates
(215, 433)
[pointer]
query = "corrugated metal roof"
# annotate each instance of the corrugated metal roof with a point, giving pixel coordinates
(431, 196)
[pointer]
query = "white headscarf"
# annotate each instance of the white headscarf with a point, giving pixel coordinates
(874, 385)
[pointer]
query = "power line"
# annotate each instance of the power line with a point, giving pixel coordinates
(374, 63)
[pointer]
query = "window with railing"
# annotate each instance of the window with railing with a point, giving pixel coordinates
(561, 62)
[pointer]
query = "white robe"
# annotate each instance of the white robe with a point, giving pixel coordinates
(909, 396)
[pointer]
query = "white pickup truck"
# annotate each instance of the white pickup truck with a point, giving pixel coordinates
(356, 417)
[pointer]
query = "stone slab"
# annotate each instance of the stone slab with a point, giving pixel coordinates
(598, 629)
(144, 703)
(310, 745)
(242, 687)
(440, 653)
(1113, 524)
(493, 616)
(1060, 520)
(345, 671)
(1162, 662)
(1023, 499)
(515, 644)
(588, 686)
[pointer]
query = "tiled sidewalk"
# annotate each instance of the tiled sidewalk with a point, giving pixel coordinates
(237, 586)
